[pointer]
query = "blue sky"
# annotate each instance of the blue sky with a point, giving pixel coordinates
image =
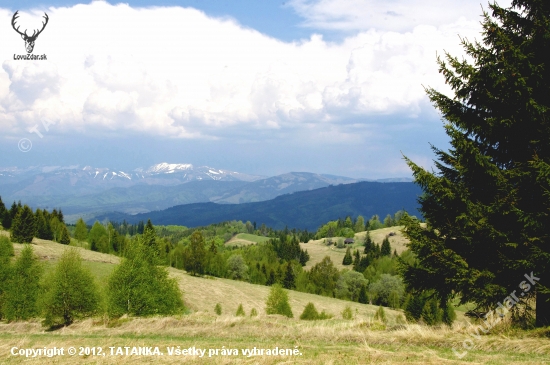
(261, 87)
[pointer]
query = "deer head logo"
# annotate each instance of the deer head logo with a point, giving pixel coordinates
(29, 40)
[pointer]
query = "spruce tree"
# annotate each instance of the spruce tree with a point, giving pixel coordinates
(43, 228)
(369, 244)
(240, 311)
(149, 235)
(356, 259)
(9, 216)
(487, 205)
(310, 313)
(385, 250)
(289, 280)
(2, 210)
(65, 237)
(363, 297)
(347, 257)
(304, 257)
(24, 226)
(6, 219)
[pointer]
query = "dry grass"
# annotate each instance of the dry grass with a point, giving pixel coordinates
(245, 239)
(397, 242)
(202, 294)
(320, 342)
(49, 250)
(334, 341)
(318, 249)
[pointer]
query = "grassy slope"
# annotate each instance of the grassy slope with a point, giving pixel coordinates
(243, 239)
(318, 249)
(336, 341)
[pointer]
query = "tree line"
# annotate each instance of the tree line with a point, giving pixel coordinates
(348, 227)
(24, 224)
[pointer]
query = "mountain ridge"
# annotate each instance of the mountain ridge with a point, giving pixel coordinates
(302, 209)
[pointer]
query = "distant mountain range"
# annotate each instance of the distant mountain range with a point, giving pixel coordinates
(89, 191)
(303, 209)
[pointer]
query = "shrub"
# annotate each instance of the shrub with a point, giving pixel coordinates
(347, 313)
(394, 300)
(240, 311)
(70, 292)
(349, 284)
(277, 302)
(449, 314)
(382, 289)
(413, 306)
(431, 313)
(236, 267)
(324, 315)
(6, 248)
(400, 319)
(253, 312)
(218, 309)
(310, 313)
(380, 314)
(422, 307)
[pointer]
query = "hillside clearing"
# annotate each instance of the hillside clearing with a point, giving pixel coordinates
(334, 341)
(245, 239)
(318, 249)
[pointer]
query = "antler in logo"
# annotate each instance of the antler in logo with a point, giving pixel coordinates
(29, 40)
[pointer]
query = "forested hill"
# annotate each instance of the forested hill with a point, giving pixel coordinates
(303, 210)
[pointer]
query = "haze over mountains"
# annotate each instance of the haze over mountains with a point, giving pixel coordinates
(89, 191)
(302, 209)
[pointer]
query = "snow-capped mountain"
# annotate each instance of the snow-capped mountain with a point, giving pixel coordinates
(89, 190)
(75, 180)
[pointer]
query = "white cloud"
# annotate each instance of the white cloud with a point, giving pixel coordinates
(176, 72)
(393, 15)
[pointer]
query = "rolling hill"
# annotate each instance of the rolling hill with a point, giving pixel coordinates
(337, 341)
(303, 210)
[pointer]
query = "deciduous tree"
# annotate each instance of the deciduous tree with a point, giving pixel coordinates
(138, 287)
(195, 254)
(81, 230)
(22, 287)
(70, 292)
(277, 302)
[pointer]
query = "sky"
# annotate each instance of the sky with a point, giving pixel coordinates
(259, 87)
